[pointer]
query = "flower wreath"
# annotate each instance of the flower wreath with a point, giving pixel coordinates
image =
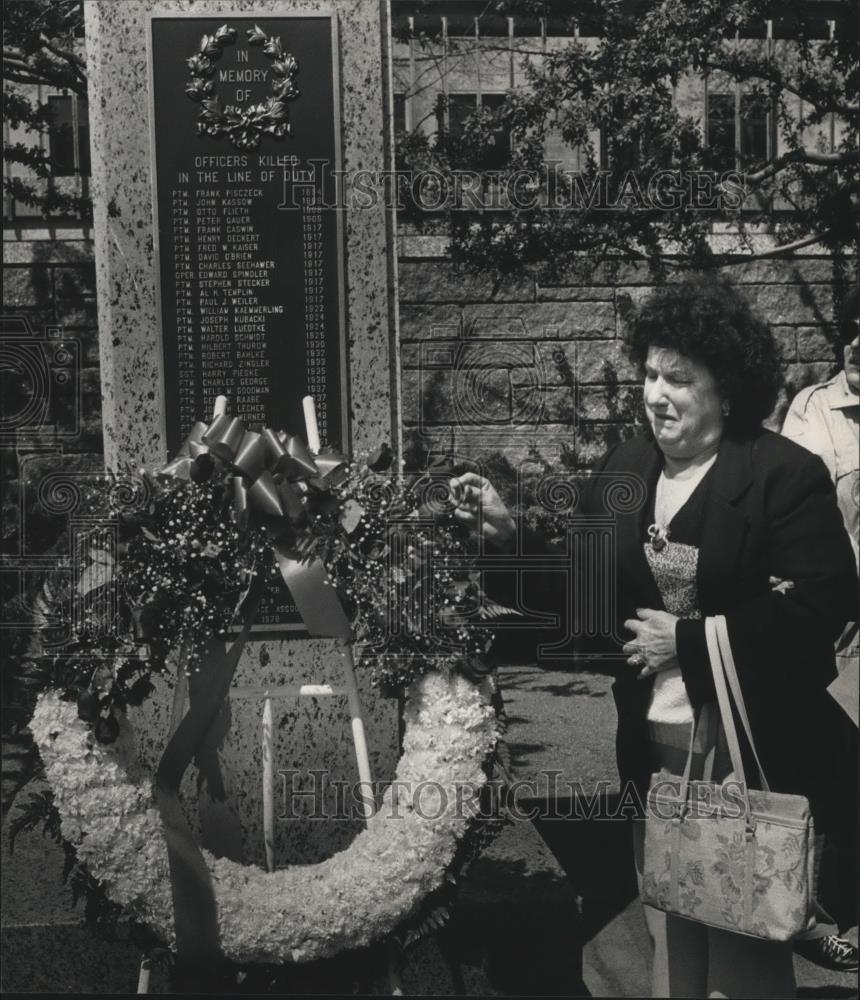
(297, 913)
(244, 127)
(187, 547)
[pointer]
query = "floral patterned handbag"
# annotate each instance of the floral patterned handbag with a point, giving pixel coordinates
(724, 854)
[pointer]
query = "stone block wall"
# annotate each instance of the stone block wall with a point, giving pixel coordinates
(537, 373)
(506, 374)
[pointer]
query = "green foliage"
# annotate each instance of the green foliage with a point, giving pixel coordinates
(619, 82)
(39, 48)
(103, 915)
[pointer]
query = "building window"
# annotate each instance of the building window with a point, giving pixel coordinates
(451, 117)
(721, 131)
(755, 130)
(739, 131)
(70, 137)
(399, 113)
(622, 149)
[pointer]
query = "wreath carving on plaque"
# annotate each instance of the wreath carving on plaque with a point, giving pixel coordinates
(244, 127)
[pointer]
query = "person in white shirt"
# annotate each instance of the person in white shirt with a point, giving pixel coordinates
(825, 419)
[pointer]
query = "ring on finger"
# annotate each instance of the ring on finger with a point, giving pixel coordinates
(637, 660)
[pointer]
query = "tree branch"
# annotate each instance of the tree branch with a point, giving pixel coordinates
(808, 156)
(21, 74)
(59, 75)
(74, 64)
(741, 70)
(69, 56)
(786, 248)
(733, 260)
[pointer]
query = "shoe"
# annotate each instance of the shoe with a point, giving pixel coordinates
(829, 952)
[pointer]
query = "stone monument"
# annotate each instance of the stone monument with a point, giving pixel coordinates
(228, 262)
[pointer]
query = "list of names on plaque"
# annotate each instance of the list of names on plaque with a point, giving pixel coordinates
(250, 252)
(312, 248)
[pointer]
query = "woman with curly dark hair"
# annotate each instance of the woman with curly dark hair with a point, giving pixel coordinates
(737, 521)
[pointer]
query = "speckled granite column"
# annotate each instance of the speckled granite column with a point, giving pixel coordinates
(312, 735)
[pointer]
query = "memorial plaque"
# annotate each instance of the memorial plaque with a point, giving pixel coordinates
(246, 139)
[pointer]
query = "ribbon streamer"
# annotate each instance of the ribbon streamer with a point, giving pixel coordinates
(277, 484)
(195, 914)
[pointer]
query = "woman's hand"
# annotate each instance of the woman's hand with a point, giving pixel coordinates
(480, 506)
(653, 645)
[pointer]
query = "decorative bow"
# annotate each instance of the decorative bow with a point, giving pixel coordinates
(275, 475)
(278, 483)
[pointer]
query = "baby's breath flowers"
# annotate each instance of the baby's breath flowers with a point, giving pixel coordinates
(187, 559)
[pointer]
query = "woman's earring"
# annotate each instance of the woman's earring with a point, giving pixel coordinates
(726, 408)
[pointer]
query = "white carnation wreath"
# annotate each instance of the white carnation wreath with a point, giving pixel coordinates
(299, 913)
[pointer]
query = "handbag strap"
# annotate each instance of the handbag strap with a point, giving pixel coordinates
(712, 722)
(723, 669)
(724, 702)
(703, 719)
(731, 673)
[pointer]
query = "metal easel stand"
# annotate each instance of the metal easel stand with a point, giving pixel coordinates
(180, 694)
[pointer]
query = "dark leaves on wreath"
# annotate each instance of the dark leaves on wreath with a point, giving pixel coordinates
(226, 35)
(39, 809)
(475, 668)
(291, 63)
(106, 728)
(212, 112)
(133, 683)
(210, 46)
(374, 548)
(285, 90)
(380, 458)
(129, 525)
(274, 109)
(276, 129)
(198, 89)
(159, 650)
(88, 706)
(256, 35)
(200, 65)
(433, 920)
(273, 48)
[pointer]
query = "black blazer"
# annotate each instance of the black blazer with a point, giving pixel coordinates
(771, 511)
